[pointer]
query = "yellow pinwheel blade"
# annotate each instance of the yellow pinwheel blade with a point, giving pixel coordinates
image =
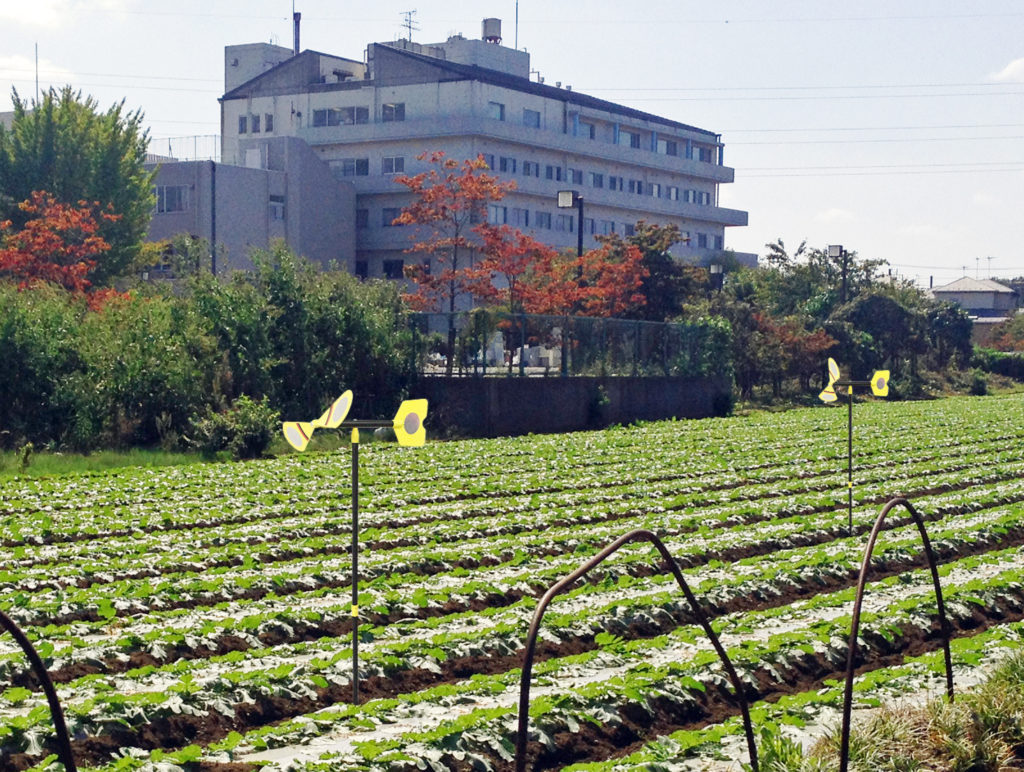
(336, 413)
(880, 383)
(298, 433)
(828, 394)
(409, 428)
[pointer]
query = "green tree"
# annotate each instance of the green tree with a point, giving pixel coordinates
(669, 283)
(63, 145)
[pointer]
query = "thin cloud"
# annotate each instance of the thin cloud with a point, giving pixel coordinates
(834, 215)
(56, 13)
(1011, 73)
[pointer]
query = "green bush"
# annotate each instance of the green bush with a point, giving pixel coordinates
(246, 430)
(979, 383)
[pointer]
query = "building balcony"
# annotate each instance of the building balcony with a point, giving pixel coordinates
(427, 129)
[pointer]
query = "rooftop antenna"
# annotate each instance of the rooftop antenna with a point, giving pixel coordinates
(990, 259)
(296, 21)
(517, 26)
(410, 25)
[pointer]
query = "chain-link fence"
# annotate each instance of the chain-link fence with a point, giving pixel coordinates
(485, 342)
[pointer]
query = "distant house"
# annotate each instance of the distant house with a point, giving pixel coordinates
(987, 302)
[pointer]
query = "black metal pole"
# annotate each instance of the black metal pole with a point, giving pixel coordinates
(64, 752)
(355, 566)
(851, 654)
(579, 229)
(849, 457)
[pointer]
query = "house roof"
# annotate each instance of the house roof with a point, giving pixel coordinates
(967, 284)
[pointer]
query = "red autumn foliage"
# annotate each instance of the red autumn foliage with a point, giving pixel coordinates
(513, 256)
(59, 243)
(601, 282)
(450, 199)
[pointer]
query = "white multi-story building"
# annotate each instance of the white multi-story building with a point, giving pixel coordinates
(369, 120)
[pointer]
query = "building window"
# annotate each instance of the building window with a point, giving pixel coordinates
(355, 167)
(520, 217)
(565, 223)
(531, 118)
(268, 122)
(488, 159)
(171, 198)
(392, 111)
(628, 229)
(575, 176)
(341, 116)
(543, 220)
(668, 147)
(392, 164)
(255, 124)
(243, 124)
(672, 193)
(362, 218)
(719, 243)
(389, 214)
(497, 215)
(531, 169)
(615, 183)
(596, 180)
(507, 165)
(629, 138)
(394, 269)
(362, 269)
(496, 110)
(277, 207)
(588, 225)
(702, 240)
(654, 189)
(587, 130)
(607, 227)
(553, 172)
(636, 186)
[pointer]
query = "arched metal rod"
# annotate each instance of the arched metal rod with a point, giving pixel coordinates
(64, 753)
(562, 584)
(851, 656)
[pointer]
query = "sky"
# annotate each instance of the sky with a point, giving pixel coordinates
(892, 127)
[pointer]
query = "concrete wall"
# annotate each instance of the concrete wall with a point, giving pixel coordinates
(495, 407)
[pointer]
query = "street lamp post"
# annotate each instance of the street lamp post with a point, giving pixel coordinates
(836, 252)
(567, 199)
(717, 276)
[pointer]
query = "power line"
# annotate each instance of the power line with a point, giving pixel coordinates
(635, 89)
(877, 141)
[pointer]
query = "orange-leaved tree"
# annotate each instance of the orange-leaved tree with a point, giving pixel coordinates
(601, 282)
(59, 243)
(451, 197)
(505, 274)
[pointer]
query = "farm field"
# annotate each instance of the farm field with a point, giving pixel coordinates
(199, 617)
